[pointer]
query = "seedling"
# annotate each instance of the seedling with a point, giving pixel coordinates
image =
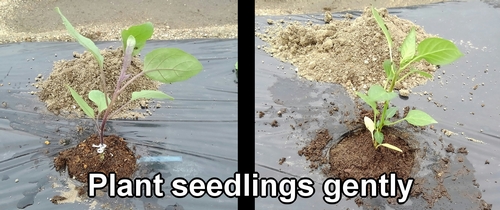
(236, 69)
(436, 51)
(166, 65)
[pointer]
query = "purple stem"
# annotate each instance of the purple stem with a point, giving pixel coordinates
(127, 59)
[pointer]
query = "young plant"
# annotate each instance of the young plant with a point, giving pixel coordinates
(166, 65)
(236, 69)
(434, 50)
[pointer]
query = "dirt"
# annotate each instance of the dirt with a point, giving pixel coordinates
(284, 7)
(36, 21)
(57, 199)
(83, 74)
(319, 50)
(83, 159)
(355, 157)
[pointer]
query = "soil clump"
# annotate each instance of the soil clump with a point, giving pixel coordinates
(83, 159)
(347, 52)
(83, 74)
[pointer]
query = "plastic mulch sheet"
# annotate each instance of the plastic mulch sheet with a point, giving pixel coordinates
(294, 109)
(194, 135)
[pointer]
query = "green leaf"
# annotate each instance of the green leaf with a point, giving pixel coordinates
(378, 93)
(169, 65)
(379, 137)
(141, 34)
(236, 66)
(422, 73)
(84, 41)
(79, 100)
(390, 112)
(388, 70)
(368, 101)
(129, 48)
(408, 47)
(390, 146)
(381, 24)
(438, 51)
(369, 125)
(419, 118)
(99, 99)
(149, 94)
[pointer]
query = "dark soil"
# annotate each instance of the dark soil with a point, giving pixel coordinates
(83, 158)
(56, 199)
(355, 156)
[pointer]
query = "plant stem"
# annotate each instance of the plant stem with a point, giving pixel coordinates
(396, 122)
(127, 59)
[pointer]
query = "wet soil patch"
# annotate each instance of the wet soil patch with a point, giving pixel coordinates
(83, 159)
(355, 157)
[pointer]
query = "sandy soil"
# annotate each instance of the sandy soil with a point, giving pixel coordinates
(282, 7)
(103, 20)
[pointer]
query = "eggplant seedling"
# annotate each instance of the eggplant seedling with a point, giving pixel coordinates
(166, 65)
(436, 51)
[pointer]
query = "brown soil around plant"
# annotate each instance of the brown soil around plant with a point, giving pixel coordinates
(83, 159)
(347, 52)
(355, 156)
(83, 74)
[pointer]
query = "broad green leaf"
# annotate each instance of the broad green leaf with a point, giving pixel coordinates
(141, 34)
(419, 118)
(369, 125)
(378, 93)
(390, 146)
(169, 65)
(379, 137)
(149, 94)
(84, 41)
(438, 51)
(390, 112)
(79, 100)
(381, 24)
(408, 47)
(368, 101)
(388, 70)
(99, 99)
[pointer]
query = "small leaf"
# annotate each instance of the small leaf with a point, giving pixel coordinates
(387, 68)
(84, 41)
(390, 146)
(424, 74)
(369, 125)
(368, 101)
(141, 34)
(408, 47)
(236, 66)
(378, 93)
(131, 44)
(79, 100)
(419, 118)
(98, 98)
(149, 94)
(381, 24)
(169, 65)
(390, 112)
(379, 137)
(438, 51)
